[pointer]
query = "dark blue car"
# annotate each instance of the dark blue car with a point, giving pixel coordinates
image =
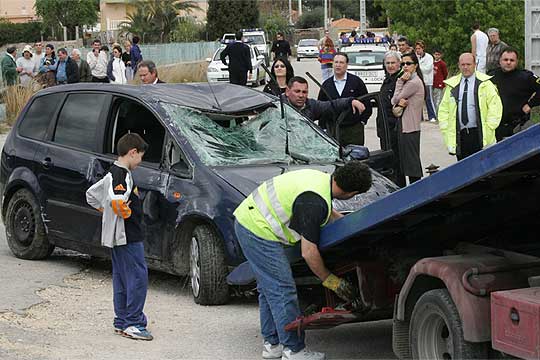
(209, 148)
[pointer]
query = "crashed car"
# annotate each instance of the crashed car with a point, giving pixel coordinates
(210, 147)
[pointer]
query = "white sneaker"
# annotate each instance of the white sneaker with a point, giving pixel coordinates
(272, 351)
(303, 354)
(433, 120)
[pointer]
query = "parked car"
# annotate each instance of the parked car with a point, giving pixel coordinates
(211, 145)
(307, 48)
(367, 62)
(217, 72)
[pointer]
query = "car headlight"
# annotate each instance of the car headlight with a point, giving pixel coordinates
(213, 69)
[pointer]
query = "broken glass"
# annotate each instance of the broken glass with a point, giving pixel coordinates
(258, 140)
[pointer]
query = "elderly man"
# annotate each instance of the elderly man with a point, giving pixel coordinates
(470, 110)
(85, 75)
(10, 70)
(519, 90)
(148, 73)
(297, 92)
(494, 50)
(346, 85)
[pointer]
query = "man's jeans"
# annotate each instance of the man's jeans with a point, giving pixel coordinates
(429, 103)
(278, 301)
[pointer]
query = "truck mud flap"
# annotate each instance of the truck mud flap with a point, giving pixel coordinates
(325, 319)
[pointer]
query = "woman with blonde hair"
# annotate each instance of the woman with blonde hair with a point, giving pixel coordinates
(126, 58)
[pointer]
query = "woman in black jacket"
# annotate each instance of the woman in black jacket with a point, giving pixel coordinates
(282, 71)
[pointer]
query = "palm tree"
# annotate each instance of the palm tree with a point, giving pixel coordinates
(157, 18)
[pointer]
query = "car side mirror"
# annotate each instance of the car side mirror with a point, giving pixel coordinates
(181, 169)
(208, 60)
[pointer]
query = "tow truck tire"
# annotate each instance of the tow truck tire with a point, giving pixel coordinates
(208, 270)
(25, 232)
(436, 331)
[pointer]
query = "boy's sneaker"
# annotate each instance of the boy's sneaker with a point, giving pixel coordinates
(303, 354)
(137, 333)
(272, 351)
(118, 331)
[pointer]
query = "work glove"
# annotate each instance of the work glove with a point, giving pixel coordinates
(340, 286)
(120, 208)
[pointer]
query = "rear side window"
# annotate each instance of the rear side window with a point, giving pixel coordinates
(78, 120)
(37, 119)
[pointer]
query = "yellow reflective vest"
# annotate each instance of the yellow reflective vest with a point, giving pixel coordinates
(489, 110)
(267, 211)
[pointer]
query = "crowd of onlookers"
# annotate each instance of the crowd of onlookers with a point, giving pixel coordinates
(47, 66)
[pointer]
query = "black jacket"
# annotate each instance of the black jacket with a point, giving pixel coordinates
(72, 71)
(387, 92)
(281, 48)
(515, 89)
(239, 57)
(354, 87)
(314, 109)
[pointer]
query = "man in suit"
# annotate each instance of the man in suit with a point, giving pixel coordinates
(148, 73)
(345, 85)
(10, 71)
(239, 60)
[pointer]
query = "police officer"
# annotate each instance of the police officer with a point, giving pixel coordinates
(519, 91)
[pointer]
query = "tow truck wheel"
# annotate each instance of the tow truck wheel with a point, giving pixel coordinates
(436, 330)
(25, 232)
(208, 270)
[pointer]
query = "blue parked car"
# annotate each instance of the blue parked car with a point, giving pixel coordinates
(209, 148)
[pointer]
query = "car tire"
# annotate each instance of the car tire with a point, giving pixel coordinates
(208, 270)
(25, 231)
(436, 331)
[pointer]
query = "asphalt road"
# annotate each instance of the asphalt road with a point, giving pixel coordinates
(61, 308)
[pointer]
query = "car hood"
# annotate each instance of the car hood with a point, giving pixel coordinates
(247, 178)
(314, 48)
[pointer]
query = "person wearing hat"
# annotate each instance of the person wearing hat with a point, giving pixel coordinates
(9, 67)
(28, 65)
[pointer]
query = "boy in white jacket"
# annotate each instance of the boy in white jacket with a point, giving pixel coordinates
(118, 198)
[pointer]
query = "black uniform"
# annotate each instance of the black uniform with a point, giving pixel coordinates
(239, 62)
(516, 88)
(281, 48)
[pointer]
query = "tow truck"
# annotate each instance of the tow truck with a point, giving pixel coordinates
(453, 259)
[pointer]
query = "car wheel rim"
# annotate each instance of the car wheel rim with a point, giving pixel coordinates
(24, 224)
(195, 267)
(434, 338)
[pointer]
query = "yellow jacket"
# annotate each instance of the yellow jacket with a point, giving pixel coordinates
(489, 111)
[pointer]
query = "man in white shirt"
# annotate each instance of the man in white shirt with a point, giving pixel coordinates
(97, 60)
(425, 61)
(479, 45)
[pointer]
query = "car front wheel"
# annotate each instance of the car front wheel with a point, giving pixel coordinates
(25, 232)
(208, 270)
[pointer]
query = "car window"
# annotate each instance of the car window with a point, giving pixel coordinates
(366, 58)
(254, 39)
(259, 140)
(78, 120)
(37, 119)
(308, 43)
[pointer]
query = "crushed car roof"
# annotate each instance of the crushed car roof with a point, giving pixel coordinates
(230, 98)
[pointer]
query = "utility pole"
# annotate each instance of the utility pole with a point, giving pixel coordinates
(325, 14)
(362, 16)
(290, 12)
(299, 8)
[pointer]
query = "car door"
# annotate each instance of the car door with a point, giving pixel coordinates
(69, 164)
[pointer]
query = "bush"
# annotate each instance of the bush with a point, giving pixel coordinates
(187, 31)
(312, 19)
(19, 33)
(275, 23)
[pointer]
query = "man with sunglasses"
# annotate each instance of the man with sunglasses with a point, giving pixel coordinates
(470, 110)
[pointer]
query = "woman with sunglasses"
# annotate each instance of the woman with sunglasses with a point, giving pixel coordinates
(282, 71)
(409, 94)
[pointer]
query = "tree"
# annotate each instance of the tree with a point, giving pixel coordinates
(311, 19)
(447, 24)
(155, 20)
(275, 23)
(229, 16)
(68, 13)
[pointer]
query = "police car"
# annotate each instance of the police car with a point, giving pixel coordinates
(217, 72)
(257, 38)
(367, 62)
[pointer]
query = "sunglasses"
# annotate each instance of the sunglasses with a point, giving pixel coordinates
(279, 66)
(408, 63)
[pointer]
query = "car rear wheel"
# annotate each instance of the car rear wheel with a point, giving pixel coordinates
(436, 331)
(25, 232)
(208, 270)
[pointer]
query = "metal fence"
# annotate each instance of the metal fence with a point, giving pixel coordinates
(165, 54)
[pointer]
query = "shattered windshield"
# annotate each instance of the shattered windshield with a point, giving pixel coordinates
(258, 140)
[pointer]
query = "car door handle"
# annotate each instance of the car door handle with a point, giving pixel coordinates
(47, 163)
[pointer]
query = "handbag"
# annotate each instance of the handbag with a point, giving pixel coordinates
(397, 110)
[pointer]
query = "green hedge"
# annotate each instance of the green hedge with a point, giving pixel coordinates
(18, 33)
